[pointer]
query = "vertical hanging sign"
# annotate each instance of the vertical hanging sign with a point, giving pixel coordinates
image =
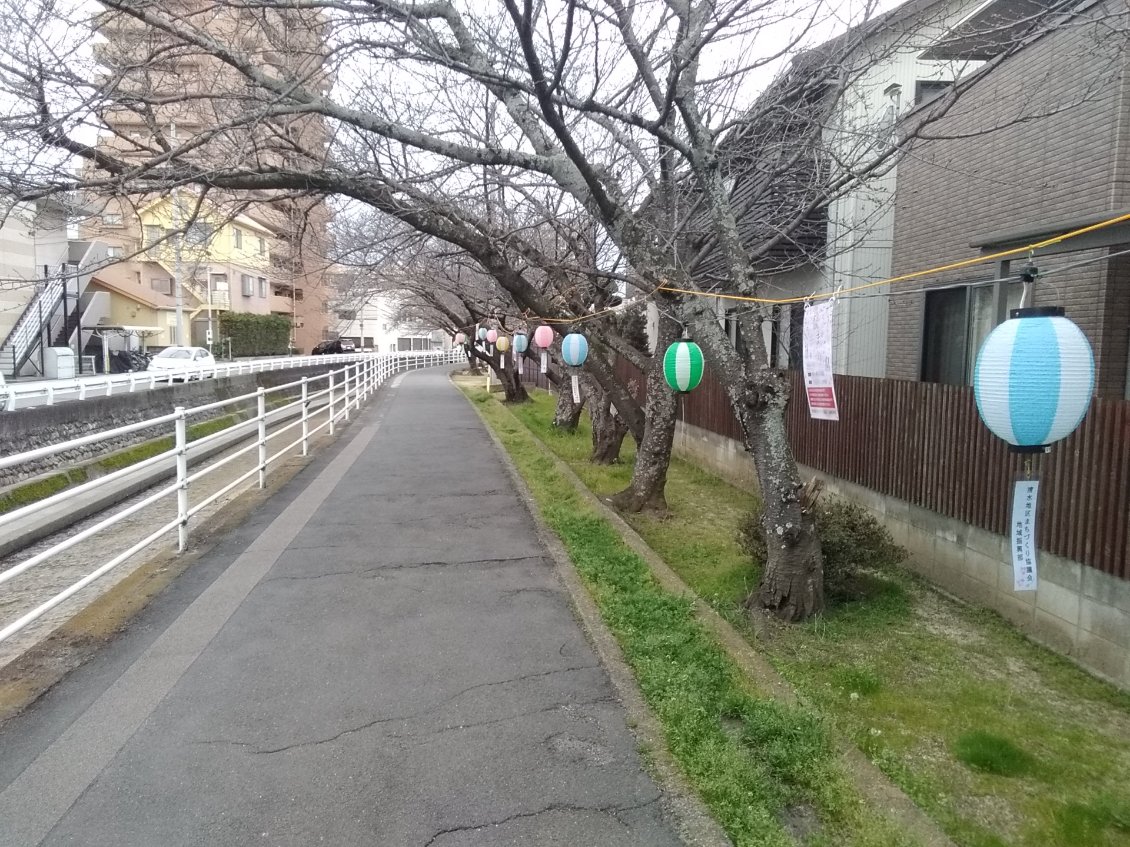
(1024, 498)
(818, 362)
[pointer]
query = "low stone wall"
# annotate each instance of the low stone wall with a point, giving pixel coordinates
(1077, 611)
(27, 429)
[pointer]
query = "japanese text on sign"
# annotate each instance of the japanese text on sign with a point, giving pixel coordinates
(1024, 500)
(818, 362)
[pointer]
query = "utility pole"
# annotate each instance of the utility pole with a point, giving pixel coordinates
(179, 340)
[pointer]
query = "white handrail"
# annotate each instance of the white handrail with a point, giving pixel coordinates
(43, 393)
(357, 379)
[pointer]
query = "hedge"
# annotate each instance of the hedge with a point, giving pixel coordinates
(256, 335)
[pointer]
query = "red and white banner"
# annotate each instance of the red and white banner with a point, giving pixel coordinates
(818, 382)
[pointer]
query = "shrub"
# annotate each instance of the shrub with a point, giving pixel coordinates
(852, 539)
(256, 335)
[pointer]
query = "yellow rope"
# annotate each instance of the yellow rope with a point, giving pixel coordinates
(952, 266)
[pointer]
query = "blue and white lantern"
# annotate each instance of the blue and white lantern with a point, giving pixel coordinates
(1034, 378)
(483, 333)
(520, 344)
(574, 350)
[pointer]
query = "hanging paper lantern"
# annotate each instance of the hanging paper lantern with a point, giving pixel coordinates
(683, 366)
(503, 344)
(543, 337)
(460, 338)
(521, 342)
(1034, 378)
(482, 333)
(492, 336)
(574, 349)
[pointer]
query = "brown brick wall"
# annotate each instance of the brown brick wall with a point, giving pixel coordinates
(1065, 158)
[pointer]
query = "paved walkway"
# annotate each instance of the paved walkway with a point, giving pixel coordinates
(381, 656)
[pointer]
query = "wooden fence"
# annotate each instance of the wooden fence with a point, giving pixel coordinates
(925, 444)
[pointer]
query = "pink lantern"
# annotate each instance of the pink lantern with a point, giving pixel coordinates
(460, 338)
(492, 336)
(543, 337)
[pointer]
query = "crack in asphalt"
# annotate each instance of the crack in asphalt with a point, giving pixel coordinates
(555, 707)
(370, 724)
(613, 811)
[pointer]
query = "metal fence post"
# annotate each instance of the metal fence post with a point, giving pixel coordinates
(305, 416)
(262, 398)
(331, 403)
(181, 442)
(345, 392)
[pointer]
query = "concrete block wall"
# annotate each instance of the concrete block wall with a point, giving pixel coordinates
(1076, 610)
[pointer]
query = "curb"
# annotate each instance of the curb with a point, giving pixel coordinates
(682, 806)
(872, 783)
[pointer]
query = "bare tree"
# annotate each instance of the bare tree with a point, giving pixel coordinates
(637, 116)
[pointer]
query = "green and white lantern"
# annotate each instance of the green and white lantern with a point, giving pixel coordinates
(683, 366)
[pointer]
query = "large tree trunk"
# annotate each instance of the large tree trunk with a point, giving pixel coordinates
(567, 414)
(608, 430)
(514, 390)
(645, 493)
(792, 584)
(792, 581)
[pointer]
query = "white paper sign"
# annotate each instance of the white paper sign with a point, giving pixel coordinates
(519, 357)
(576, 388)
(818, 382)
(1024, 498)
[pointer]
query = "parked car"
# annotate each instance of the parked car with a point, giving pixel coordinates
(185, 360)
(333, 346)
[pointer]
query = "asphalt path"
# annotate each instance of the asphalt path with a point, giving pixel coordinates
(382, 655)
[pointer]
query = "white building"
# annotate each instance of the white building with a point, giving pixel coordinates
(861, 223)
(44, 296)
(373, 326)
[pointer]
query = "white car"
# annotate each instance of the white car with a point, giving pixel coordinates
(186, 361)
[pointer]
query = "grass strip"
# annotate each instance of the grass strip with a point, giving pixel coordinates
(768, 772)
(999, 740)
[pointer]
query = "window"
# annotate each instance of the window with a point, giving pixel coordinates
(162, 284)
(237, 237)
(113, 252)
(733, 330)
(262, 286)
(248, 285)
(153, 234)
(957, 321)
(926, 90)
(111, 219)
(198, 233)
(262, 246)
(219, 282)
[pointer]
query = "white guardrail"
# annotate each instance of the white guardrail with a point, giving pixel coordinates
(344, 389)
(48, 393)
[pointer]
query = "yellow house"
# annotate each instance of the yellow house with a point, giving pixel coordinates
(222, 261)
